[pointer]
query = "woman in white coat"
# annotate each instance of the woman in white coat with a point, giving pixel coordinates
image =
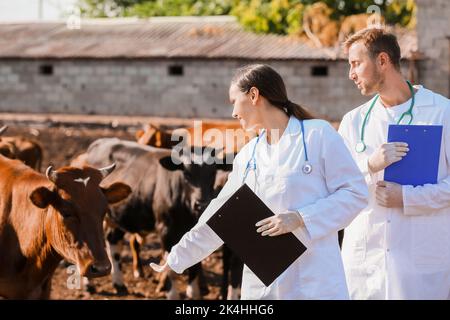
(399, 246)
(313, 199)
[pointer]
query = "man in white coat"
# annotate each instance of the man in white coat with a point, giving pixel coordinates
(398, 247)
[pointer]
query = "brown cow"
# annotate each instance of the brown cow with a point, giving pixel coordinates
(156, 137)
(44, 219)
(26, 150)
(7, 149)
(229, 136)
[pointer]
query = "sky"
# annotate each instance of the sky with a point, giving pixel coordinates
(28, 10)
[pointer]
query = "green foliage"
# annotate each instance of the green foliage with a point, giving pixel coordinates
(263, 16)
(402, 12)
(151, 8)
(270, 16)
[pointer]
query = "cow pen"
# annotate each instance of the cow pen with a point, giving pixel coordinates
(62, 138)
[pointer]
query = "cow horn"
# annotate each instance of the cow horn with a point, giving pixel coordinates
(3, 129)
(107, 170)
(51, 174)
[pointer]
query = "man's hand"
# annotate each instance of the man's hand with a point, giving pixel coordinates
(387, 154)
(389, 194)
(280, 224)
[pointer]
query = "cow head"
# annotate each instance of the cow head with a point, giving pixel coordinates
(7, 148)
(199, 168)
(76, 207)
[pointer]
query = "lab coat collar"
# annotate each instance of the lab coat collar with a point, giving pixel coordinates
(423, 97)
(293, 127)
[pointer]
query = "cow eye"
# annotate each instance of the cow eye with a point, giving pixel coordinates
(66, 214)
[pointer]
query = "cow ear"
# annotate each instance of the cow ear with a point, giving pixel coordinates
(139, 134)
(116, 192)
(168, 164)
(42, 197)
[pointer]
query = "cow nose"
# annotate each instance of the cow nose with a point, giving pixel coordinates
(99, 269)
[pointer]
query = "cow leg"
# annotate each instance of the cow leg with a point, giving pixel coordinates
(236, 270)
(204, 290)
(193, 288)
(135, 246)
(162, 278)
(226, 253)
(173, 293)
(114, 238)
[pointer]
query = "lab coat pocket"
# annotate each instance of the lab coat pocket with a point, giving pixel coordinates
(430, 241)
(354, 246)
(299, 188)
(356, 252)
(359, 252)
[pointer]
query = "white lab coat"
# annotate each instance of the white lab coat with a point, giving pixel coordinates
(394, 253)
(327, 199)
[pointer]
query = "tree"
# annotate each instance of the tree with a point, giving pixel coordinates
(270, 16)
(151, 8)
(264, 16)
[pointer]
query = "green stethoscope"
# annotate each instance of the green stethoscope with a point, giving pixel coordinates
(361, 146)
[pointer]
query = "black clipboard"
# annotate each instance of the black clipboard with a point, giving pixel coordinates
(234, 222)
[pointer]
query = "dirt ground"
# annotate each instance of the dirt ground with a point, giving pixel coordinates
(142, 288)
(61, 143)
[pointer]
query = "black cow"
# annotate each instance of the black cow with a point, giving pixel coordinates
(167, 196)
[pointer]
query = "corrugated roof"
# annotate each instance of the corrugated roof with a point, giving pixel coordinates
(166, 37)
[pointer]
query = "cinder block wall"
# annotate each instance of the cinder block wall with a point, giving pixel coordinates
(145, 87)
(433, 30)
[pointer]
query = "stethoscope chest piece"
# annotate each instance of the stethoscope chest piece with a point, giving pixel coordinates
(360, 147)
(307, 168)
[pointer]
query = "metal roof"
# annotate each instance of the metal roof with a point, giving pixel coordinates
(161, 37)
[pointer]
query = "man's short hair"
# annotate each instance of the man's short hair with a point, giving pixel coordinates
(377, 40)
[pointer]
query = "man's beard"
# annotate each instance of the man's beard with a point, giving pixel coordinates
(375, 84)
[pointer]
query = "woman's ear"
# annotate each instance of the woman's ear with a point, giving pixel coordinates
(254, 95)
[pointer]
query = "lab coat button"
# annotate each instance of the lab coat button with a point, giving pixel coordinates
(389, 221)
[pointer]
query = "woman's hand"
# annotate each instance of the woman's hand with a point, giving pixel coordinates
(280, 224)
(160, 267)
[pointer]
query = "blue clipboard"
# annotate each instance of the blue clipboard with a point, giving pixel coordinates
(421, 163)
